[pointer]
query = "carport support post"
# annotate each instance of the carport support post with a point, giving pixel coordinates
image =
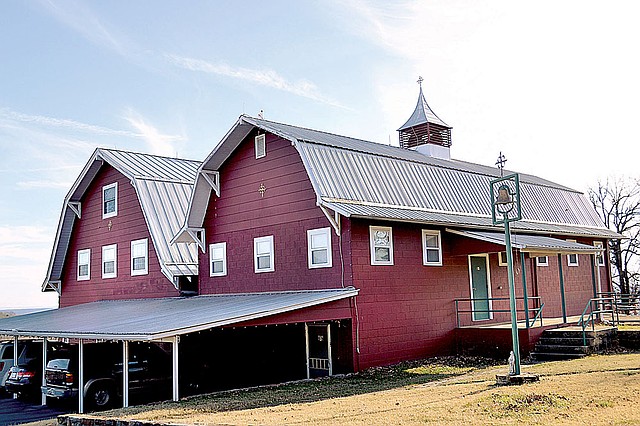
(306, 340)
(125, 373)
(44, 369)
(564, 304)
(15, 357)
(176, 395)
(80, 377)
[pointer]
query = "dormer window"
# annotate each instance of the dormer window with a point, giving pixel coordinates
(110, 200)
(260, 146)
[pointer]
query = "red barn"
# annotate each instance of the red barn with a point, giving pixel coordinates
(278, 207)
(291, 253)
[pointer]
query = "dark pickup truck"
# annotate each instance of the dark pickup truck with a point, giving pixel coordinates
(149, 372)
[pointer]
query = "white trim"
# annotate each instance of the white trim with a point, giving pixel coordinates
(223, 259)
(80, 253)
(372, 246)
(213, 179)
(113, 274)
(144, 271)
(486, 257)
(328, 248)
(115, 210)
(76, 207)
(270, 253)
(600, 257)
(425, 261)
(569, 262)
(540, 263)
(260, 146)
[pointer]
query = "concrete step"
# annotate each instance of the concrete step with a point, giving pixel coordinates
(562, 349)
(575, 332)
(564, 341)
(537, 356)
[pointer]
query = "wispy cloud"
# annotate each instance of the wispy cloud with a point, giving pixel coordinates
(78, 16)
(263, 77)
(72, 125)
(157, 143)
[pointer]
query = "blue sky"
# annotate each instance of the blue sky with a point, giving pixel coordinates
(552, 84)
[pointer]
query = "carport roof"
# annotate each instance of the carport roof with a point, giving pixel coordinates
(155, 319)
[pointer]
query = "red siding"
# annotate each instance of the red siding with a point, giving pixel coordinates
(286, 211)
(92, 232)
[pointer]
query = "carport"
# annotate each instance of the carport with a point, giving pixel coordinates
(156, 320)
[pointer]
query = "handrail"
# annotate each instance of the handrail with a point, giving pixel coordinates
(536, 310)
(538, 314)
(595, 313)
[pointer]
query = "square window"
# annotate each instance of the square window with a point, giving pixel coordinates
(572, 259)
(84, 265)
(542, 261)
(319, 248)
(139, 257)
(599, 256)
(263, 254)
(109, 261)
(381, 242)
(431, 248)
(110, 200)
(218, 259)
(260, 146)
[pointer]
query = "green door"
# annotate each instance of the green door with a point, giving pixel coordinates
(479, 287)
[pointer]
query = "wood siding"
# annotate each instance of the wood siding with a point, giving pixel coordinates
(286, 210)
(92, 232)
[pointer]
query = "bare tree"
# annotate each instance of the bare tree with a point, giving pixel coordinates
(617, 202)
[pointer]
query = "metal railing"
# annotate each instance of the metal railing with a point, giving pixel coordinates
(526, 309)
(596, 308)
(625, 304)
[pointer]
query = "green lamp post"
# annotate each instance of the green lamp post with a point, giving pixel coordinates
(505, 201)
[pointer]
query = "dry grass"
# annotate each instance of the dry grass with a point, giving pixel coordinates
(599, 390)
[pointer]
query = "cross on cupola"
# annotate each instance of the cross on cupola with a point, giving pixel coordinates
(424, 131)
(501, 162)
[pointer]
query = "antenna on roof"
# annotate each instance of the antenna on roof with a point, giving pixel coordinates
(261, 114)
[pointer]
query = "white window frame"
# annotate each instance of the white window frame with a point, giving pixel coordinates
(542, 263)
(260, 146)
(223, 259)
(425, 249)
(372, 246)
(600, 258)
(569, 262)
(271, 253)
(113, 247)
(145, 271)
(88, 276)
(502, 261)
(310, 249)
(115, 210)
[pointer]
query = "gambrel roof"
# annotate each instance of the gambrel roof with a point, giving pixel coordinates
(358, 178)
(163, 186)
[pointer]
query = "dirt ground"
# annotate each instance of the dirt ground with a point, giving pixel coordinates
(598, 390)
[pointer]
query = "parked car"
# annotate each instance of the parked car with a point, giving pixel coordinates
(149, 372)
(25, 380)
(28, 350)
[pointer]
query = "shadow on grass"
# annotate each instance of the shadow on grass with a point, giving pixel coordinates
(372, 380)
